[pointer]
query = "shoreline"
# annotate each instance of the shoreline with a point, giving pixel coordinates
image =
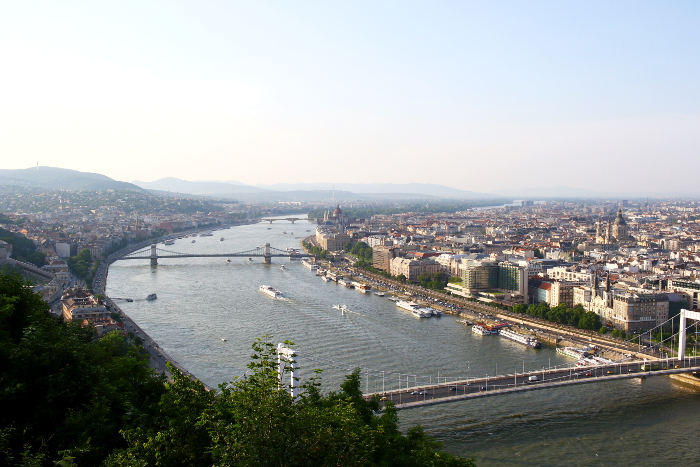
(157, 356)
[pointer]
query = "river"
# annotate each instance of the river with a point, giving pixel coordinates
(202, 300)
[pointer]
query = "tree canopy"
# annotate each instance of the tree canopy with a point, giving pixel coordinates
(68, 397)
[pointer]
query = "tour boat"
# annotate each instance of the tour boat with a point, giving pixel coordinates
(272, 292)
(527, 340)
(414, 308)
(152, 297)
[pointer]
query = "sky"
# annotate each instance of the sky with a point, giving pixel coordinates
(478, 96)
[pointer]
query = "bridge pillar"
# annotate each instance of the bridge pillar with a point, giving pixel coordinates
(267, 256)
(681, 334)
(154, 255)
(270, 220)
(292, 220)
(286, 361)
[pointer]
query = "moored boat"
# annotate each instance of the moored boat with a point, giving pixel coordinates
(483, 329)
(414, 308)
(527, 340)
(151, 297)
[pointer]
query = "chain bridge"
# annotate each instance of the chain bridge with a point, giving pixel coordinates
(266, 252)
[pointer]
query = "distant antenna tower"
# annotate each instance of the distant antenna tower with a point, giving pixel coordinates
(37, 165)
(333, 195)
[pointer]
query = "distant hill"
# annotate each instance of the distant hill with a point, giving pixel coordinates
(63, 179)
(203, 188)
(310, 192)
(404, 189)
(572, 192)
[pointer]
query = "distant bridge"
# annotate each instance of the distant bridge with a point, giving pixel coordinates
(289, 219)
(266, 252)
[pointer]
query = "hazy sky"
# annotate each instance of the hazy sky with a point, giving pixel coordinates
(474, 95)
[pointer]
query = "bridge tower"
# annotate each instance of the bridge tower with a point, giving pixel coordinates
(285, 361)
(267, 255)
(154, 255)
(681, 335)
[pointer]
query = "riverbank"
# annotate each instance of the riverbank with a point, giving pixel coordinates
(158, 358)
(547, 332)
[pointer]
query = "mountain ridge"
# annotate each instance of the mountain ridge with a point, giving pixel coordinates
(63, 179)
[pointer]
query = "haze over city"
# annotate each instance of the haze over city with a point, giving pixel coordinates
(476, 96)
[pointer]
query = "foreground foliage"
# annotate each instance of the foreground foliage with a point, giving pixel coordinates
(68, 398)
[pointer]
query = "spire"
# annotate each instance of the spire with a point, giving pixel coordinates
(607, 283)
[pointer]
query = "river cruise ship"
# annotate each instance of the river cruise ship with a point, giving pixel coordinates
(483, 329)
(272, 292)
(309, 265)
(572, 352)
(414, 308)
(527, 340)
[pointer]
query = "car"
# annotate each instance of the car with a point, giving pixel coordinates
(677, 366)
(609, 372)
(415, 392)
(631, 370)
(423, 392)
(382, 398)
(589, 374)
(482, 388)
(453, 388)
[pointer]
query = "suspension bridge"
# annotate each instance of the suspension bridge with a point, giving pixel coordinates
(266, 252)
(407, 390)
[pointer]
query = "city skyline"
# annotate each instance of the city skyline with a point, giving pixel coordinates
(476, 97)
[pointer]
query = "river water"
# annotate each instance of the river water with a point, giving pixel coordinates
(202, 300)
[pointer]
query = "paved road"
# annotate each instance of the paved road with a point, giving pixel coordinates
(481, 387)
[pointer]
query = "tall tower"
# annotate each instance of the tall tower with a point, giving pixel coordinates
(620, 230)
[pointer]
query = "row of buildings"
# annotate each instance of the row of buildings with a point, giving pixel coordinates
(633, 269)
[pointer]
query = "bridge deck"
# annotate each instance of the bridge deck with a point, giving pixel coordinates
(548, 379)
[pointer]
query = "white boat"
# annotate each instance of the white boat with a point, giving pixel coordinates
(414, 308)
(223, 339)
(272, 292)
(228, 260)
(340, 307)
(250, 260)
(282, 268)
(435, 312)
(325, 279)
(378, 293)
(194, 241)
(169, 242)
(222, 239)
(482, 331)
(206, 234)
(364, 288)
(572, 352)
(527, 340)
(309, 265)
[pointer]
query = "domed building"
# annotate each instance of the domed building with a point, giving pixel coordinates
(614, 232)
(620, 230)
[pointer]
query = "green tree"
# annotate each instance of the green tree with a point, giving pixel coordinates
(253, 421)
(60, 390)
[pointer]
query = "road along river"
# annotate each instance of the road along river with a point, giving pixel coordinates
(204, 300)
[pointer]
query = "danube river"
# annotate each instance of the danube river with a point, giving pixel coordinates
(204, 300)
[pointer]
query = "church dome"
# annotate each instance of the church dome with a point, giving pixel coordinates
(337, 212)
(619, 220)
